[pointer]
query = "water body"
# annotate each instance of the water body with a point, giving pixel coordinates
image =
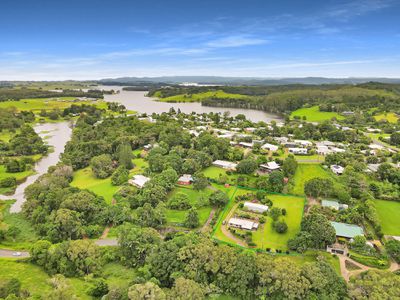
(137, 101)
(58, 135)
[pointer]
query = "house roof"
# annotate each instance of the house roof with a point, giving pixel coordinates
(245, 224)
(270, 147)
(255, 206)
(139, 180)
(270, 165)
(347, 230)
(225, 164)
(330, 203)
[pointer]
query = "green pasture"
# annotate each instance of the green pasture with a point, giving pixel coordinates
(388, 212)
(198, 97)
(389, 116)
(306, 172)
(313, 114)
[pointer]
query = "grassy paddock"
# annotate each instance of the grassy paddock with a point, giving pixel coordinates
(390, 117)
(388, 212)
(306, 172)
(313, 114)
(198, 97)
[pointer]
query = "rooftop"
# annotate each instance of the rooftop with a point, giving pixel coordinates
(347, 230)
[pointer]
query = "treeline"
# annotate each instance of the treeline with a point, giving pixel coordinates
(7, 93)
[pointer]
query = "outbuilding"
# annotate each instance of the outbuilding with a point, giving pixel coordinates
(139, 181)
(255, 207)
(347, 231)
(225, 164)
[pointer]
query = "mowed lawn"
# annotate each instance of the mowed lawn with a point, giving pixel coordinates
(313, 114)
(84, 179)
(389, 216)
(177, 217)
(267, 237)
(306, 172)
(390, 117)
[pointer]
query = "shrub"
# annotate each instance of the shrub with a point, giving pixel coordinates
(8, 182)
(280, 226)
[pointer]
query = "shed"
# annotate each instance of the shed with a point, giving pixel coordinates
(255, 207)
(348, 231)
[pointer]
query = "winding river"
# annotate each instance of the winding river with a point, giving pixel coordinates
(57, 135)
(137, 101)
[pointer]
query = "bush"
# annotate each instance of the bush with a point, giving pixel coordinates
(280, 226)
(8, 182)
(120, 176)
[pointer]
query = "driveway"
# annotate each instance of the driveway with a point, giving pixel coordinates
(9, 254)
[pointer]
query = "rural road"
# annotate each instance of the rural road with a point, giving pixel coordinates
(9, 253)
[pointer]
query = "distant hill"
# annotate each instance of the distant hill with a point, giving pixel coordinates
(240, 80)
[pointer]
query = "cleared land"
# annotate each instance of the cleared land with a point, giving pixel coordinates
(388, 212)
(390, 117)
(313, 114)
(196, 198)
(266, 236)
(201, 96)
(306, 172)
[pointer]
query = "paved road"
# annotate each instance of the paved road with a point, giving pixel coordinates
(9, 253)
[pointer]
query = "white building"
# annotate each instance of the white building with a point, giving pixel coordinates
(298, 150)
(139, 181)
(270, 147)
(304, 143)
(224, 164)
(255, 207)
(246, 145)
(323, 150)
(242, 224)
(270, 166)
(338, 170)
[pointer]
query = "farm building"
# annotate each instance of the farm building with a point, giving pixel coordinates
(334, 204)
(224, 164)
(347, 231)
(185, 179)
(139, 181)
(243, 224)
(255, 207)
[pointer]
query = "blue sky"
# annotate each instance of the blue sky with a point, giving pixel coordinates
(87, 39)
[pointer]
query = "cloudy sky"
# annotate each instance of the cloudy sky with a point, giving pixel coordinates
(87, 39)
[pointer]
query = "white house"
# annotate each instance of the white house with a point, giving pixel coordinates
(242, 224)
(270, 166)
(246, 145)
(281, 140)
(270, 147)
(224, 164)
(298, 150)
(255, 207)
(139, 181)
(334, 204)
(323, 150)
(338, 170)
(304, 143)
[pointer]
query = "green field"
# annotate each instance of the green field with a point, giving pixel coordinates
(176, 217)
(306, 172)
(313, 114)
(26, 235)
(388, 212)
(390, 117)
(201, 96)
(215, 173)
(265, 236)
(84, 179)
(38, 104)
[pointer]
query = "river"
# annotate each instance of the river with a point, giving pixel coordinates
(137, 101)
(57, 135)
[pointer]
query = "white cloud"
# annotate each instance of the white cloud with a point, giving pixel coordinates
(235, 41)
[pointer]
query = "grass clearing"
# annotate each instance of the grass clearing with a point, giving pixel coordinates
(306, 172)
(313, 114)
(388, 212)
(388, 116)
(198, 97)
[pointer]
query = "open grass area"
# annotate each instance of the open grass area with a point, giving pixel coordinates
(267, 237)
(313, 114)
(217, 173)
(26, 235)
(390, 117)
(19, 176)
(84, 179)
(38, 104)
(201, 96)
(388, 212)
(177, 217)
(306, 172)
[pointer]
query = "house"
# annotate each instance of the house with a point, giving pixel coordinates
(242, 224)
(303, 143)
(281, 140)
(250, 129)
(298, 150)
(337, 150)
(347, 113)
(334, 205)
(347, 231)
(376, 147)
(246, 145)
(185, 179)
(270, 166)
(326, 143)
(338, 170)
(224, 164)
(337, 249)
(373, 167)
(270, 147)
(147, 147)
(255, 207)
(323, 150)
(139, 181)
(194, 132)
